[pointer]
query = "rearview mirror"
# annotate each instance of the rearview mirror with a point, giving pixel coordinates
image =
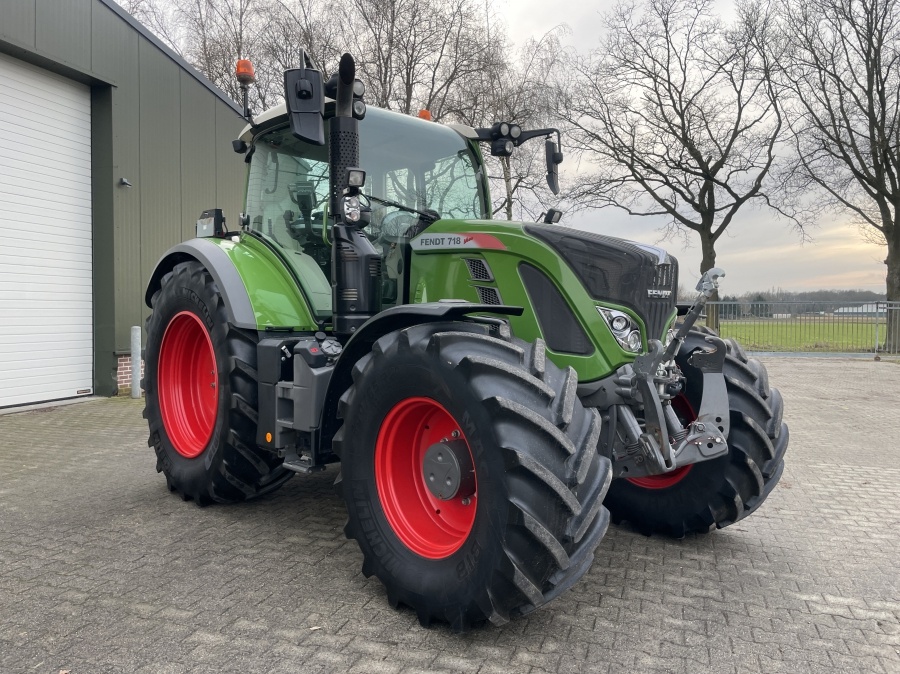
(305, 100)
(554, 159)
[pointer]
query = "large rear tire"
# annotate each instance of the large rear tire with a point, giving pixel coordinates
(525, 520)
(720, 492)
(201, 394)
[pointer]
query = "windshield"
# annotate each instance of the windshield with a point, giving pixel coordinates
(420, 165)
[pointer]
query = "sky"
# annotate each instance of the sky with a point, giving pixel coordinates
(757, 251)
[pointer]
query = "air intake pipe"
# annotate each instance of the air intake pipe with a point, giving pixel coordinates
(355, 264)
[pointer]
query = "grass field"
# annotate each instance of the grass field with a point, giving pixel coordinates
(805, 333)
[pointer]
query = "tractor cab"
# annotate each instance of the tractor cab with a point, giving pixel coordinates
(416, 172)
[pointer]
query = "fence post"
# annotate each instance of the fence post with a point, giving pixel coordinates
(878, 323)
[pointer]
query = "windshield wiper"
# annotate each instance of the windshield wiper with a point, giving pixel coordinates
(428, 215)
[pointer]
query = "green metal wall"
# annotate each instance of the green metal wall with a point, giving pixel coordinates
(156, 123)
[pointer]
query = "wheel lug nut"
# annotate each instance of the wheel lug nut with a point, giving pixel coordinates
(455, 434)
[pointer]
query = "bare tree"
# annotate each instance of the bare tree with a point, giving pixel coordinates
(159, 18)
(217, 34)
(211, 35)
(517, 89)
(844, 71)
(417, 55)
(292, 25)
(680, 115)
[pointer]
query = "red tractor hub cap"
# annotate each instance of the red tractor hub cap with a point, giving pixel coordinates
(188, 384)
(425, 477)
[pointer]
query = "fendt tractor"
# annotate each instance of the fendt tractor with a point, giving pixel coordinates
(494, 390)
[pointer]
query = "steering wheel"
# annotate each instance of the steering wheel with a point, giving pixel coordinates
(395, 226)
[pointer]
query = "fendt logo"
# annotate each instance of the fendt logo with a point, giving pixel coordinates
(659, 294)
(451, 241)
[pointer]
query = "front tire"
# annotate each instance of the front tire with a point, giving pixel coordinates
(717, 493)
(524, 526)
(201, 394)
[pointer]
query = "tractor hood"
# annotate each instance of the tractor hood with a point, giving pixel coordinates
(628, 273)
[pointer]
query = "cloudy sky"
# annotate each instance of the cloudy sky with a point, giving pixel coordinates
(761, 252)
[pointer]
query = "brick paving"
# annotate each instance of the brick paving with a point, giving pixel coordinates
(103, 570)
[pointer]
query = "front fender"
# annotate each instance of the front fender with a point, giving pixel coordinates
(390, 320)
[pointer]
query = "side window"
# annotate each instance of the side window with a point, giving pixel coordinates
(262, 185)
(287, 196)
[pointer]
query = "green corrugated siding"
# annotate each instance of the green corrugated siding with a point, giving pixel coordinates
(17, 25)
(198, 164)
(115, 57)
(160, 138)
(63, 31)
(170, 136)
(114, 46)
(230, 167)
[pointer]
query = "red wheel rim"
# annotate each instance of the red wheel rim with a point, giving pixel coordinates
(686, 413)
(427, 525)
(188, 384)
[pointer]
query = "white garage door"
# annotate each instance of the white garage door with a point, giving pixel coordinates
(46, 328)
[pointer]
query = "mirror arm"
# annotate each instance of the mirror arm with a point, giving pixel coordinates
(535, 133)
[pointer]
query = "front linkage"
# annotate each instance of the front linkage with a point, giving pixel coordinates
(648, 386)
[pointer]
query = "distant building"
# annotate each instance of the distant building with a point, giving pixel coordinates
(869, 309)
(110, 147)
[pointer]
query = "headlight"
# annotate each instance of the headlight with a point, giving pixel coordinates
(623, 328)
(634, 341)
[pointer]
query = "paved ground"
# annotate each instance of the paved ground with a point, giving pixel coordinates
(101, 569)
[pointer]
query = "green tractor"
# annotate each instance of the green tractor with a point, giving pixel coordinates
(493, 390)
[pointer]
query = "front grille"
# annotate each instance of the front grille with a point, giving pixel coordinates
(375, 267)
(350, 294)
(479, 270)
(618, 271)
(662, 280)
(488, 295)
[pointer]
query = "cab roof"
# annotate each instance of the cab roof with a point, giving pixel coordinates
(271, 117)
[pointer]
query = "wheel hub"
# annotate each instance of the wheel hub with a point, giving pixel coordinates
(420, 438)
(447, 470)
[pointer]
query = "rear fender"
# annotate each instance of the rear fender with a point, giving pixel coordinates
(260, 291)
(220, 267)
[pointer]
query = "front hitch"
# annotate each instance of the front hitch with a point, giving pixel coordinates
(663, 442)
